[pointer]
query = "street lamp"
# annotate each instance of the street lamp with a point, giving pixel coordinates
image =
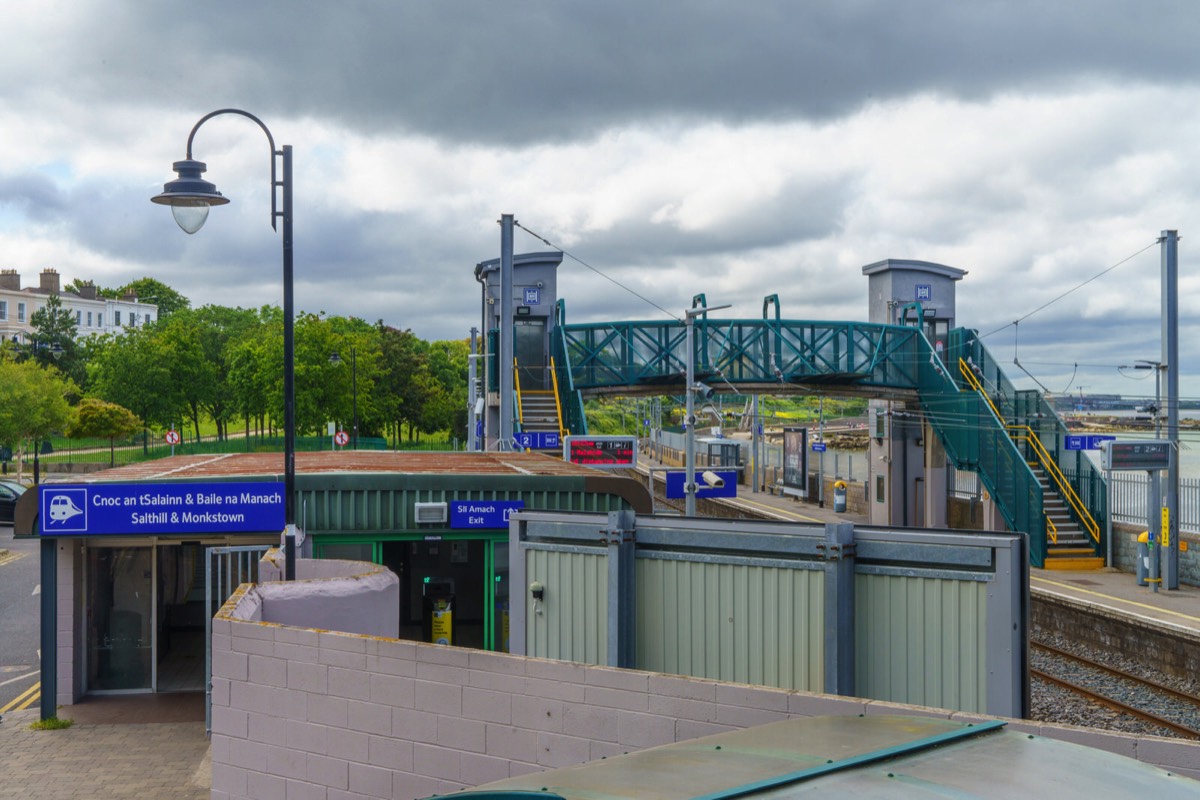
(689, 478)
(190, 198)
(336, 359)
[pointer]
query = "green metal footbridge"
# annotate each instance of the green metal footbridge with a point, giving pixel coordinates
(1012, 439)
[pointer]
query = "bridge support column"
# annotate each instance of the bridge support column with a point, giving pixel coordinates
(936, 486)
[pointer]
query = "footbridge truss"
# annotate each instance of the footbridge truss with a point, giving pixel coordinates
(1012, 439)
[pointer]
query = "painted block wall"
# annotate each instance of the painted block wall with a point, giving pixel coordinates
(316, 714)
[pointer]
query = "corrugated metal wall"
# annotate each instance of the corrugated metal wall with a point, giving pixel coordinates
(732, 622)
(921, 641)
(573, 624)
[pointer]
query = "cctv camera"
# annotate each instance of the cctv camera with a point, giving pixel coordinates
(713, 480)
(703, 390)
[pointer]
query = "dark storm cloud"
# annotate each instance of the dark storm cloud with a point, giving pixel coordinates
(33, 194)
(544, 71)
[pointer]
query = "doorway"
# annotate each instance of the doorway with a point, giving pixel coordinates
(179, 619)
(435, 577)
(120, 609)
(529, 350)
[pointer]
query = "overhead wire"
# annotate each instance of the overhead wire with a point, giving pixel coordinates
(1049, 303)
(608, 278)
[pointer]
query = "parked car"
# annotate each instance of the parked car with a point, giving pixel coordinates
(9, 492)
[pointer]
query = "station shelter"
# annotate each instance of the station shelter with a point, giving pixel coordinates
(129, 555)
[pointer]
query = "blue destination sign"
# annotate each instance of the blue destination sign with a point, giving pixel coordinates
(133, 509)
(1079, 442)
(537, 440)
(675, 482)
(818, 447)
(482, 513)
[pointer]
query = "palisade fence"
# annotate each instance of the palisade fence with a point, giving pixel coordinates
(1128, 497)
(130, 451)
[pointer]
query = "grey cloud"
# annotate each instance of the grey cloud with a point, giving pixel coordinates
(536, 71)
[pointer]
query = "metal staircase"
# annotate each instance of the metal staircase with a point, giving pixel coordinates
(539, 412)
(989, 428)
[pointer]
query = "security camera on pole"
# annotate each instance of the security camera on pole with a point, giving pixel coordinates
(689, 485)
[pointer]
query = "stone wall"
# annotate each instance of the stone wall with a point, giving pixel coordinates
(300, 712)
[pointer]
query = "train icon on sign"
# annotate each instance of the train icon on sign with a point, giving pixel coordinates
(64, 509)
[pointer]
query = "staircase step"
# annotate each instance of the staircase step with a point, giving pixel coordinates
(1074, 563)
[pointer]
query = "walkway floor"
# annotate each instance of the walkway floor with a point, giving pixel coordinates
(148, 746)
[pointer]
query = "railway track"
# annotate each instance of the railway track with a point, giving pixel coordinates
(1124, 692)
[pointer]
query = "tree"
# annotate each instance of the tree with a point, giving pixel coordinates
(134, 370)
(54, 343)
(150, 290)
(33, 405)
(96, 418)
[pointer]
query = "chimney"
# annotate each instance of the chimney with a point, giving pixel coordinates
(10, 279)
(130, 297)
(50, 280)
(87, 291)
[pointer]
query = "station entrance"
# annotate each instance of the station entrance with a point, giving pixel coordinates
(144, 611)
(454, 588)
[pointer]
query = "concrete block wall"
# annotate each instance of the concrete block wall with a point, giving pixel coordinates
(317, 714)
(69, 620)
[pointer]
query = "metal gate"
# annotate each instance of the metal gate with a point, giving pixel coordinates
(225, 568)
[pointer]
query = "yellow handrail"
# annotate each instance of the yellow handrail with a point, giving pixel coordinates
(1060, 480)
(557, 403)
(517, 386)
(1064, 487)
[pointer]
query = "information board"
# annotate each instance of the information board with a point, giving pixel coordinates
(1134, 455)
(132, 509)
(795, 459)
(602, 452)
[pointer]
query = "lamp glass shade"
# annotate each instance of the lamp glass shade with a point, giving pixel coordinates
(190, 214)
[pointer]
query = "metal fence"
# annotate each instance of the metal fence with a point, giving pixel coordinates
(1128, 497)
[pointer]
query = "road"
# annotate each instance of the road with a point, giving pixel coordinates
(20, 610)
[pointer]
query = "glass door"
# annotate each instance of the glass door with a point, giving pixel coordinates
(120, 622)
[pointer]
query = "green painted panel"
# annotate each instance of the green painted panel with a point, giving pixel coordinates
(922, 641)
(570, 623)
(383, 503)
(733, 622)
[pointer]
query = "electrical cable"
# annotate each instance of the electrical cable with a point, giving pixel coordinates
(615, 282)
(1069, 291)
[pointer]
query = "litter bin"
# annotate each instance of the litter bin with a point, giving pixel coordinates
(839, 496)
(437, 611)
(1143, 558)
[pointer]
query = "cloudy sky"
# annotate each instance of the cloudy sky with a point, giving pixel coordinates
(737, 149)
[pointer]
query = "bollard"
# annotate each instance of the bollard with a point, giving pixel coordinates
(839, 496)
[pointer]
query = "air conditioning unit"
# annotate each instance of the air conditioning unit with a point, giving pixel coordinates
(430, 513)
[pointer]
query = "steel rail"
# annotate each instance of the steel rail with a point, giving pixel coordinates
(1112, 703)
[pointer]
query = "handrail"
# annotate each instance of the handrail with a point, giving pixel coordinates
(1047, 462)
(973, 380)
(557, 402)
(1064, 486)
(517, 389)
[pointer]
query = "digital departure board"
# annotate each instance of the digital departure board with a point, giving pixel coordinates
(603, 452)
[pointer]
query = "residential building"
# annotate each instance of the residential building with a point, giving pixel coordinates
(93, 314)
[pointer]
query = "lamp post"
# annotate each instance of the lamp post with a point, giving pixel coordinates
(336, 359)
(190, 197)
(689, 478)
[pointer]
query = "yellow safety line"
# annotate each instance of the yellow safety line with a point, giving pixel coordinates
(10, 557)
(1156, 609)
(26, 697)
(735, 501)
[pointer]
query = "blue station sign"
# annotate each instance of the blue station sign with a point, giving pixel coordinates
(1080, 442)
(675, 484)
(482, 513)
(537, 440)
(138, 509)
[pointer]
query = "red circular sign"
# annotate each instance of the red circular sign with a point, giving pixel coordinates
(172, 437)
(341, 438)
